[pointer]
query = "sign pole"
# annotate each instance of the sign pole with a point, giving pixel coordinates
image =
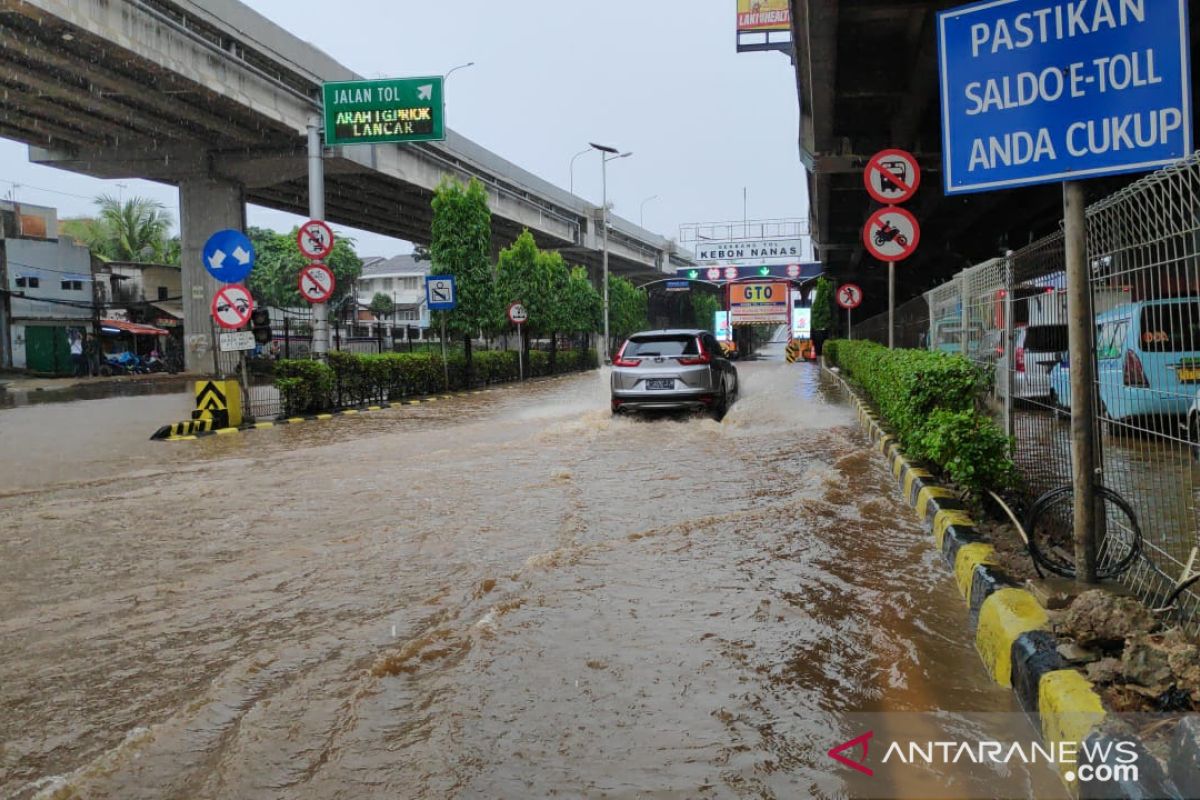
(891, 305)
(445, 364)
(520, 353)
(1083, 384)
(316, 210)
(850, 324)
(245, 381)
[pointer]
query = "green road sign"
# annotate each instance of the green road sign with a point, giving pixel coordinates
(387, 110)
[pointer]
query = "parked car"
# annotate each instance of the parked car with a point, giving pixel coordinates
(1148, 358)
(673, 369)
(1036, 351)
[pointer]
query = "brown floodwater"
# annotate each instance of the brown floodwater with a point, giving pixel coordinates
(507, 595)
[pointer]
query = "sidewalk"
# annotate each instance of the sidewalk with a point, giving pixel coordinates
(18, 388)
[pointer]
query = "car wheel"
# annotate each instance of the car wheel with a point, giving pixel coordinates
(722, 405)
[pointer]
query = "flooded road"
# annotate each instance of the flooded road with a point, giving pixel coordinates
(506, 595)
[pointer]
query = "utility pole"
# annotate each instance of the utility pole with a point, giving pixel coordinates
(316, 210)
(1083, 383)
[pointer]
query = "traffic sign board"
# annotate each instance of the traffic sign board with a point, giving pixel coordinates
(714, 274)
(891, 234)
(235, 341)
(315, 238)
(316, 283)
(1036, 92)
(441, 293)
(232, 306)
(849, 295)
(387, 110)
(892, 176)
(517, 314)
(228, 256)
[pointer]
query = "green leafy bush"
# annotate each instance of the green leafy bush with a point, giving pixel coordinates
(306, 386)
(352, 379)
(932, 401)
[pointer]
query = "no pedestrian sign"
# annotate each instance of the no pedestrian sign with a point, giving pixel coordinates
(849, 296)
(1039, 92)
(891, 234)
(232, 307)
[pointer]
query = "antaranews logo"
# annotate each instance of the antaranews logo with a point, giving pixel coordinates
(1093, 761)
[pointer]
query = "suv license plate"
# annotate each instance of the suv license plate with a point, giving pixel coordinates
(660, 383)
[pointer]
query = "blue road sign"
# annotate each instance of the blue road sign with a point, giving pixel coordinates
(1038, 91)
(228, 256)
(441, 292)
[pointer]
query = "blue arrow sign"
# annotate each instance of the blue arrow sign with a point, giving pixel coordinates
(228, 256)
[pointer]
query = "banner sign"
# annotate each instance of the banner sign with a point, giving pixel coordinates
(759, 251)
(387, 110)
(723, 274)
(1038, 91)
(721, 327)
(757, 303)
(763, 15)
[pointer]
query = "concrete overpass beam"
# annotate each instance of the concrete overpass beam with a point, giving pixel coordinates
(206, 205)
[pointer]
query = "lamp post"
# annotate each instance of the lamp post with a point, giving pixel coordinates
(642, 210)
(607, 154)
(577, 155)
(455, 69)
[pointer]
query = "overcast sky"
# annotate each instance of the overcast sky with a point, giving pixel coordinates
(658, 77)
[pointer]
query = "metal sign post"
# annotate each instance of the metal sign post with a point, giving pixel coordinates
(518, 316)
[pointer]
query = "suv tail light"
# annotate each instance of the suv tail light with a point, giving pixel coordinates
(1020, 364)
(1135, 375)
(621, 361)
(705, 357)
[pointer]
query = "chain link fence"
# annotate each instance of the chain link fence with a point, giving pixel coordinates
(1009, 315)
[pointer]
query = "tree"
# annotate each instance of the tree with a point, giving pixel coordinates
(704, 309)
(135, 230)
(277, 265)
(628, 308)
(382, 305)
(461, 245)
(519, 279)
(583, 306)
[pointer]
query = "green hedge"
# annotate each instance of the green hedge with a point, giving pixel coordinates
(932, 402)
(352, 379)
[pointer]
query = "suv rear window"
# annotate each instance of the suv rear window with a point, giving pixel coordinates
(1046, 338)
(678, 345)
(1171, 328)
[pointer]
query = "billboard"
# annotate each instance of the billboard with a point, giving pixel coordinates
(758, 251)
(761, 16)
(759, 303)
(721, 327)
(385, 110)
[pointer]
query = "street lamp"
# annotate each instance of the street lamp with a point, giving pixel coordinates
(577, 155)
(642, 211)
(455, 69)
(607, 154)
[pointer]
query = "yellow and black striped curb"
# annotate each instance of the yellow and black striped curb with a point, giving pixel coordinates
(199, 429)
(1012, 633)
(191, 430)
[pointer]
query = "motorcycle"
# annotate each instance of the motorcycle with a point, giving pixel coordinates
(890, 233)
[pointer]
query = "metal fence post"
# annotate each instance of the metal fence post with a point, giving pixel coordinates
(287, 339)
(1083, 384)
(1006, 363)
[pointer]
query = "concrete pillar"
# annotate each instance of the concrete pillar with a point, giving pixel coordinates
(206, 205)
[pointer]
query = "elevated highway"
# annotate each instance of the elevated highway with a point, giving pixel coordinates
(214, 98)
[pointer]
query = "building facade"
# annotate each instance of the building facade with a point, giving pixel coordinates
(402, 279)
(48, 298)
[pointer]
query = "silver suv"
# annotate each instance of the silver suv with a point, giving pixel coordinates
(674, 369)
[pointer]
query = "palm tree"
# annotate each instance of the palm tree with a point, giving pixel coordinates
(134, 230)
